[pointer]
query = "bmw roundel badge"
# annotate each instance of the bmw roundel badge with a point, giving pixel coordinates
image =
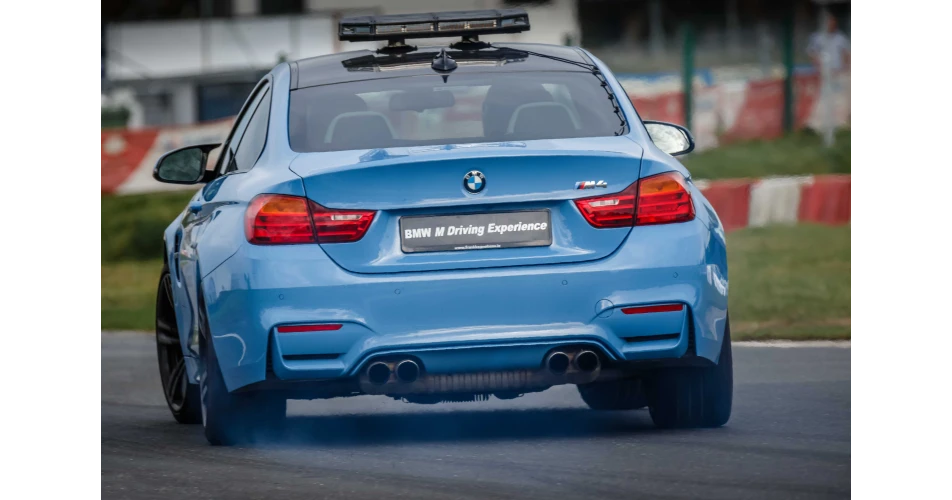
(474, 181)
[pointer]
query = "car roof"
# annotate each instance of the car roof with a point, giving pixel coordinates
(369, 65)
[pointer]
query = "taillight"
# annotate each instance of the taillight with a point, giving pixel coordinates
(662, 199)
(275, 219)
(340, 226)
(659, 199)
(616, 210)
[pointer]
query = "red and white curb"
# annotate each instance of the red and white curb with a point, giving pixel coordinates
(779, 200)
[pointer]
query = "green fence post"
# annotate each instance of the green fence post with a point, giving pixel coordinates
(788, 67)
(687, 61)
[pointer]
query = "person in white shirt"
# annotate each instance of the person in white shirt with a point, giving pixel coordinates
(830, 52)
(830, 48)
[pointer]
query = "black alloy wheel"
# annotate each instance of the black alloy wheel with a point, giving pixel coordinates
(181, 396)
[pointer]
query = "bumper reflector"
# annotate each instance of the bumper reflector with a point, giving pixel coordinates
(653, 309)
(309, 328)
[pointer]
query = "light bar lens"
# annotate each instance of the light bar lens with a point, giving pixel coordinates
(389, 29)
(356, 30)
(467, 25)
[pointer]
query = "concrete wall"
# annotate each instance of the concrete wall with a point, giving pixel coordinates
(167, 49)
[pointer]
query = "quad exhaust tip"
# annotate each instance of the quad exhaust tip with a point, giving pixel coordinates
(408, 371)
(557, 363)
(586, 361)
(378, 373)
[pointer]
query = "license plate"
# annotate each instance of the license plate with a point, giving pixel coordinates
(443, 233)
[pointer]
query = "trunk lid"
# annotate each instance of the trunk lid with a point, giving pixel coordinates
(535, 177)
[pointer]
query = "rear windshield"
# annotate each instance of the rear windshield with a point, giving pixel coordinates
(467, 108)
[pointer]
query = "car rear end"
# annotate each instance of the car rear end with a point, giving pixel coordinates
(529, 252)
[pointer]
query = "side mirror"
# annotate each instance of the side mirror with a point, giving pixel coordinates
(184, 166)
(670, 138)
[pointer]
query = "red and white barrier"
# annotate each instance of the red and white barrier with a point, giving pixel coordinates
(731, 200)
(779, 200)
(128, 156)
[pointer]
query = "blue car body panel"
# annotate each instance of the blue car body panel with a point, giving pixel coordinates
(459, 314)
(455, 311)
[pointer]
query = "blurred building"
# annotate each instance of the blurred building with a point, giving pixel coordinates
(173, 62)
(197, 60)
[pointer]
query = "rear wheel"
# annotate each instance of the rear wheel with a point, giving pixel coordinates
(233, 418)
(181, 396)
(694, 397)
(614, 395)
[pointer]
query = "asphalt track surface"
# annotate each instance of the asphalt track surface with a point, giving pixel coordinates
(789, 437)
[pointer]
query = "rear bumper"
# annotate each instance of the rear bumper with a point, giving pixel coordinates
(466, 321)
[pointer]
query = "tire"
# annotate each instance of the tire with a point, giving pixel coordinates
(181, 396)
(694, 397)
(614, 395)
(235, 418)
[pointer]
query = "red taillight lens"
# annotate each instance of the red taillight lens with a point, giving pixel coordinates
(340, 226)
(616, 210)
(662, 199)
(653, 309)
(274, 219)
(324, 327)
(659, 199)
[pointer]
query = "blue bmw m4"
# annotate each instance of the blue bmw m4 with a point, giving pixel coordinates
(441, 223)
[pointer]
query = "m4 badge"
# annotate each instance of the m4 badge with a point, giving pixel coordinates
(591, 184)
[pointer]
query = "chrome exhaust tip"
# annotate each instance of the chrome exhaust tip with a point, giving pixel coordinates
(587, 361)
(557, 363)
(408, 371)
(378, 373)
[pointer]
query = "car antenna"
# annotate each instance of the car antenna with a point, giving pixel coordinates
(443, 62)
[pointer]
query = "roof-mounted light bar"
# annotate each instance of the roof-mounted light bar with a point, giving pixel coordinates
(435, 24)
(489, 57)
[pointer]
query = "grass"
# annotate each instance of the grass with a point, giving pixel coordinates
(801, 153)
(132, 226)
(128, 294)
(790, 282)
(786, 282)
